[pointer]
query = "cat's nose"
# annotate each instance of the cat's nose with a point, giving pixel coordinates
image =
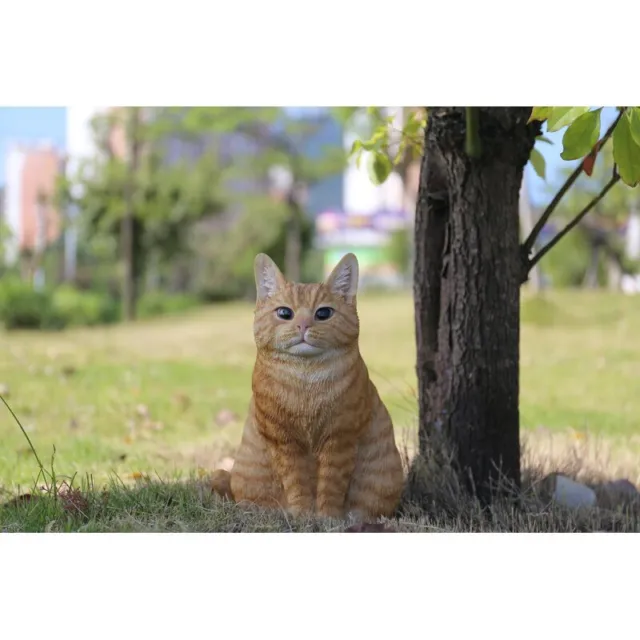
(303, 325)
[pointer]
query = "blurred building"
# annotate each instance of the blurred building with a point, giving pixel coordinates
(29, 209)
(350, 212)
(366, 215)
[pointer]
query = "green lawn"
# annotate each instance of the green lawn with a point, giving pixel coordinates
(145, 398)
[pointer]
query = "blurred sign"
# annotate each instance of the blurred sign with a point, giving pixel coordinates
(380, 221)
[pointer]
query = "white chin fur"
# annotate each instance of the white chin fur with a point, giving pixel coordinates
(304, 349)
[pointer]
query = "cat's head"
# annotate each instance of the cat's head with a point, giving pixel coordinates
(306, 320)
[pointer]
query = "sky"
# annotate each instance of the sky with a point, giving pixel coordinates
(29, 125)
(541, 191)
(33, 124)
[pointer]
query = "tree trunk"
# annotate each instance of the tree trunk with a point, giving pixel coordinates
(590, 280)
(129, 293)
(467, 292)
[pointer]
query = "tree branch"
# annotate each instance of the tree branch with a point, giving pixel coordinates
(472, 142)
(527, 245)
(533, 261)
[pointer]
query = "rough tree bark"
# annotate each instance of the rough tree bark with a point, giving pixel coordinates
(467, 286)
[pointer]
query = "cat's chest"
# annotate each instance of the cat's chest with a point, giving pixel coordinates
(314, 409)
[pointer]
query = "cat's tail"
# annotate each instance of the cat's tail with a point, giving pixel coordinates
(221, 483)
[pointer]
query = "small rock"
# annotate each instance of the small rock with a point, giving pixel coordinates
(225, 417)
(572, 494)
(617, 493)
(622, 486)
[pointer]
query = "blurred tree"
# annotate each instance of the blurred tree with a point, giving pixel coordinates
(183, 167)
(287, 159)
(399, 251)
(137, 198)
(278, 154)
(595, 255)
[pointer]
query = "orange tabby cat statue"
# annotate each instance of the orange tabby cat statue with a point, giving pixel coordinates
(318, 438)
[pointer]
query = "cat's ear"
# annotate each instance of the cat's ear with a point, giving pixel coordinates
(343, 280)
(268, 276)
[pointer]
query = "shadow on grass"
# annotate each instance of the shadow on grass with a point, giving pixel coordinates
(433, 502)
(154, 505)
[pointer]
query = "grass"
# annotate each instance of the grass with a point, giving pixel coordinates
(165, 399)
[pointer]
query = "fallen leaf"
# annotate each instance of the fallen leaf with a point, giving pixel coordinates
(182, 400)
(21, 499)
(73, 501)
(152, 425)
(369, 527)
(142, 410)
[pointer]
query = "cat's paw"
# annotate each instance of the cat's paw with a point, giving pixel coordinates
(335, 513)
(299, 511)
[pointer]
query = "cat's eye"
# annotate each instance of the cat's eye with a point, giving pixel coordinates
(284, 313)
(324, 313)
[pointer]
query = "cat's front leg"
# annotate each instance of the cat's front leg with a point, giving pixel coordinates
(293, 465)
(336, 462)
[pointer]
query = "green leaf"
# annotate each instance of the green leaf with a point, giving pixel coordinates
(355, 147)
(413, 125)
(379, 168)
(626, 153)
(562, 116)
(581, 136)
(401, 150)
(539, 113)
(543, 139)
(539, 163)
(634, 123)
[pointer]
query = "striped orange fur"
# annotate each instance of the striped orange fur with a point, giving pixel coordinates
(318, 438)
